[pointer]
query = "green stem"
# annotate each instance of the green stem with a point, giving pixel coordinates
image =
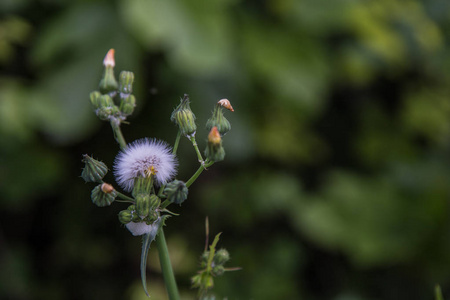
(177, 141)
(124, 201)
(194, 143)
(174, 151)
(115, 125)
(125, 197)
(199, 171)
(166, 266)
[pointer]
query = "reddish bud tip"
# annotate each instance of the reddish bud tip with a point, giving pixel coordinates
(109, 59)
(107, 188)
(226, 103)
(214, 136)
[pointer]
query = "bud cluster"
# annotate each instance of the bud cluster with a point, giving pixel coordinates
(212, 265)
(106, 106)
(146, 168)
(217, 126)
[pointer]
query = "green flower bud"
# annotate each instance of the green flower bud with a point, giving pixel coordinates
(127, 105)
(126, 79)
(152, 217)
(176, 191)
(93, 170)
(142, 185)
(143, 205)
(125, 216)
(218, 270)
(214, 150)
(104, 113)
(154, 202)
(105, 101)
(184, 117)
(108, 84)
(103, 195)
(221, 257)
(135, 216)
(218, 120)
(94, 97)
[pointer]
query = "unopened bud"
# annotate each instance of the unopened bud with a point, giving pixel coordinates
(132, 210)
(127, 105)
(105, 101)
(214, 150)
(94, 97)
(101, 198)
(108, 83)
(221, 257)
(93, 170)
(176, 191)
(218, 270)
(142, 205)
(218, 119)
(226, 103)
(154, 202)
(184, 117)
(125, 216)
(107, 188)
(109, 61)
(126, 79)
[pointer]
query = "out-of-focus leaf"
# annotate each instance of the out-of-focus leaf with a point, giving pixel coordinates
(295, 69)
(196, 34)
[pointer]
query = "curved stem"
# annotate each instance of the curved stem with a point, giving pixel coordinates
(194, 143)
(199, 171)
(166, 266)
(115, 125)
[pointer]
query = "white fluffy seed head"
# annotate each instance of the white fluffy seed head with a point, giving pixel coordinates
(143, 157)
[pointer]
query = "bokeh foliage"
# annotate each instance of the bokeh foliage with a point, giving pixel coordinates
(337, 177)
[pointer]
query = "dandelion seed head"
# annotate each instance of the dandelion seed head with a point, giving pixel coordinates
(145, 157)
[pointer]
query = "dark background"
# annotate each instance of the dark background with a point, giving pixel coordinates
(336, 181)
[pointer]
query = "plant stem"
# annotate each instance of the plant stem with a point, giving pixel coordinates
(177, 141)
(115, 125)
(194, 143)
(125, 197)
(199, 171)
(166, 266)
(174, 151)
(124, 201)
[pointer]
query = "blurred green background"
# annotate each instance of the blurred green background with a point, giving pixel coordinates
(336, 183)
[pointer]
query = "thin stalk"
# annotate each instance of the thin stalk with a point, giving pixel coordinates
(115, 125)
(166, 266)
(124, 201)
(125, 197)
(199, 171)
(194, 143)
(174, 151)
(177, 141)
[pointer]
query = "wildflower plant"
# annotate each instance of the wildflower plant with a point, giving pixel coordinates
(146, 171)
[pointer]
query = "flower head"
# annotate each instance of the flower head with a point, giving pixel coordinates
(143, 158)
